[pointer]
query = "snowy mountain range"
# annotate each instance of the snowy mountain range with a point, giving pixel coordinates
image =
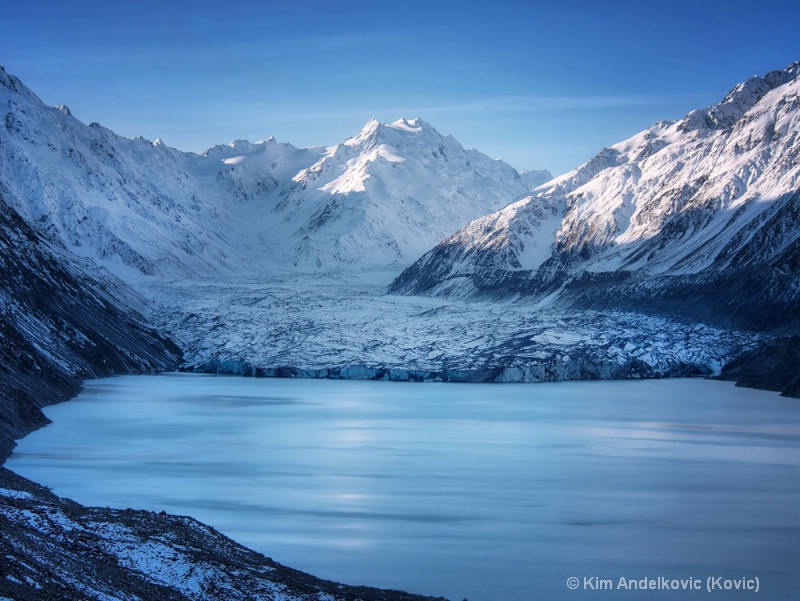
(673, 253)
(380, 198)
(697, 216)
(254, 257)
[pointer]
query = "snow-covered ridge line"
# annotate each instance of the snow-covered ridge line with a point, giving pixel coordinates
(701, 202)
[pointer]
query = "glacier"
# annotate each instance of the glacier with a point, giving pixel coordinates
(323, 327)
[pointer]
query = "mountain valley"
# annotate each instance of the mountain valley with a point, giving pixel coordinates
(395, 255)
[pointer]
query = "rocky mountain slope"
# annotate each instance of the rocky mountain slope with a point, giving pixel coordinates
(696, 217)
(125, 204)
(62, 321)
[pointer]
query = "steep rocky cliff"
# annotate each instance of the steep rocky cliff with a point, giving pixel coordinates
(59, 324)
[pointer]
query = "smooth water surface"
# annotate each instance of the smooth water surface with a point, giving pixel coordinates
(486, 492)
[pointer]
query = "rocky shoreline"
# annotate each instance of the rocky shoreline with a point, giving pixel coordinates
(54, 548)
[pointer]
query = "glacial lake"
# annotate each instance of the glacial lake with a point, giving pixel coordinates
(495, 492)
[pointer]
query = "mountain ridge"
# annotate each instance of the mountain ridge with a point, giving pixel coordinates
(378, 199)
(683, 205)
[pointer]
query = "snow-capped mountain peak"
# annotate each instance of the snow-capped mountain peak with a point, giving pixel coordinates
(379, 198)
(400, 133)
(368, 134)
(413, 125)
(383, 195)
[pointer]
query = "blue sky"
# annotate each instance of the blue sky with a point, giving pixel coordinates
(540, 85)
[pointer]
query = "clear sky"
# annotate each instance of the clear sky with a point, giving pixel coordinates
(538, 84)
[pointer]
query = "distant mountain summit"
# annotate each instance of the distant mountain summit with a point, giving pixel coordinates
(699, 216)
(380, 198)
(386, 195)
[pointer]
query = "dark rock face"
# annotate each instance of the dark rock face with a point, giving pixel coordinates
(773, 366)
(58, 326)
(755, 299)
(53, 548)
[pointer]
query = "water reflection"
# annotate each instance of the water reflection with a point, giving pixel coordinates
(478, 491)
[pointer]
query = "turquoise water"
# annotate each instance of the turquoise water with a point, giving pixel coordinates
(485, 492)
